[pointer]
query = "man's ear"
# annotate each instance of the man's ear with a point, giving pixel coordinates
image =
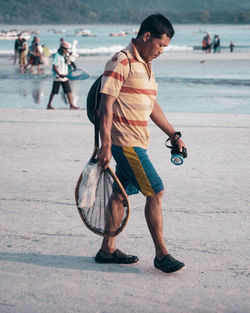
(146, 36)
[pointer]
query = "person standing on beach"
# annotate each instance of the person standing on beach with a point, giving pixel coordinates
(73, 54)
(16, 47)
(204, 44)
(22, 54)
(207, 43)
(231, 46)
(60, 70)
(20, 51)
(216, 44)
(128, 102)
(35, 55)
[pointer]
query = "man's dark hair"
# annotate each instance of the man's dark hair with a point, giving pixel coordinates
(157, 25)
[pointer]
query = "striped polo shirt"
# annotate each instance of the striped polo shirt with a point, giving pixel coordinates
(135, 90)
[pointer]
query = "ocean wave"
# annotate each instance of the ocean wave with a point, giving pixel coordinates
(100, 50)
(113, 49)
(175, 48)
(104, 50)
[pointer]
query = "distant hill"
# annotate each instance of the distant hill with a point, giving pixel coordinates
(125, 11)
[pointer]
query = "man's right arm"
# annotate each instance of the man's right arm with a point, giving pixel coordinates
(106, 118)
(55, 68)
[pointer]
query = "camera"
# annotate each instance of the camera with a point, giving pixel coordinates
(177, 156)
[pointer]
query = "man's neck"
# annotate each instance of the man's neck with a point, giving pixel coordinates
(138, 43)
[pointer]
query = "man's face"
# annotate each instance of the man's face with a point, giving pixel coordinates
(64, 50)
(153, 47)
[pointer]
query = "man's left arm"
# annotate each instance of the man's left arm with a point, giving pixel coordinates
(159, 118)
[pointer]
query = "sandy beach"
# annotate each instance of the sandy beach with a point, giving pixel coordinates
(47, 253)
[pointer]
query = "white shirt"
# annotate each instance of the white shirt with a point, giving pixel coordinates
(62, 67)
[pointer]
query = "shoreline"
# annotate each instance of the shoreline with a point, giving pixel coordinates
(188, 82)
(170, 54)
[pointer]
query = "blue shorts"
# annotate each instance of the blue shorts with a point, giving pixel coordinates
(135, 171)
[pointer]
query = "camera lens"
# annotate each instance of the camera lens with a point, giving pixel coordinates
(177, 159)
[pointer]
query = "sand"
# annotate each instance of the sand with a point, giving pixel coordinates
(47, 253)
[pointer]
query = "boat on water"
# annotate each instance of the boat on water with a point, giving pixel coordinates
(84, 33)
(12, 35)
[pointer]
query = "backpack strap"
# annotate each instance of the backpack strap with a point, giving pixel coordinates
(123, 51)
(93, 100)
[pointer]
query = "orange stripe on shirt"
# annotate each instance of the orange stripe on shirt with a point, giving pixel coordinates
(114, 75)
(150, 92)
(122, 119)
(126, 61)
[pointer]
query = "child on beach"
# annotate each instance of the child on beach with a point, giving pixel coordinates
(231, 46)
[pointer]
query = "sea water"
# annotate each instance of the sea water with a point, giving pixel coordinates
(188, 80)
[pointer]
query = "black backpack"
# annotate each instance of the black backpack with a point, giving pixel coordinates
(94, 96)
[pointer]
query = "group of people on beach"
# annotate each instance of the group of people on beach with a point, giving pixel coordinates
(36, 55)
(208, 44)
(30, 56)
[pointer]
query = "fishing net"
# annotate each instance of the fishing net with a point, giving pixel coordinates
(101, 200)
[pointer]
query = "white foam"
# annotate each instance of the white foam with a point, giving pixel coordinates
(105, 50)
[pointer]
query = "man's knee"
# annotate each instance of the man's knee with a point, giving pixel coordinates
(158, 195)
(155, 198)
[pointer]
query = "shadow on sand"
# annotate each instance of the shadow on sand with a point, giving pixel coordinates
(67, 262)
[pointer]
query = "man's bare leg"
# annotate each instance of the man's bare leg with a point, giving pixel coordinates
(108, 244)
(49, 106)
(113, 221)
(108, 252)
(70, 98)
(153, 214)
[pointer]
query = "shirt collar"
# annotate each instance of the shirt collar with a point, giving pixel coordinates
(135, 51)
(132, 49)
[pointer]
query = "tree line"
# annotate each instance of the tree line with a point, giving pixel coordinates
(112, 11)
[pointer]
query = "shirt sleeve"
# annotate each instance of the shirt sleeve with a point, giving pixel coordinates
(115, 73)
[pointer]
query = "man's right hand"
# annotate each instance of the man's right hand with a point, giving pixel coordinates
(104, 157)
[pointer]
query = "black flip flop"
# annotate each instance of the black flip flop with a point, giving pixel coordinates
(168, 264)
(116, 257)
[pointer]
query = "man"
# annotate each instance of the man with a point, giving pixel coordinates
(20, 51)
(16, 47)
(128, 101)
(60, 69)
(22, 54)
